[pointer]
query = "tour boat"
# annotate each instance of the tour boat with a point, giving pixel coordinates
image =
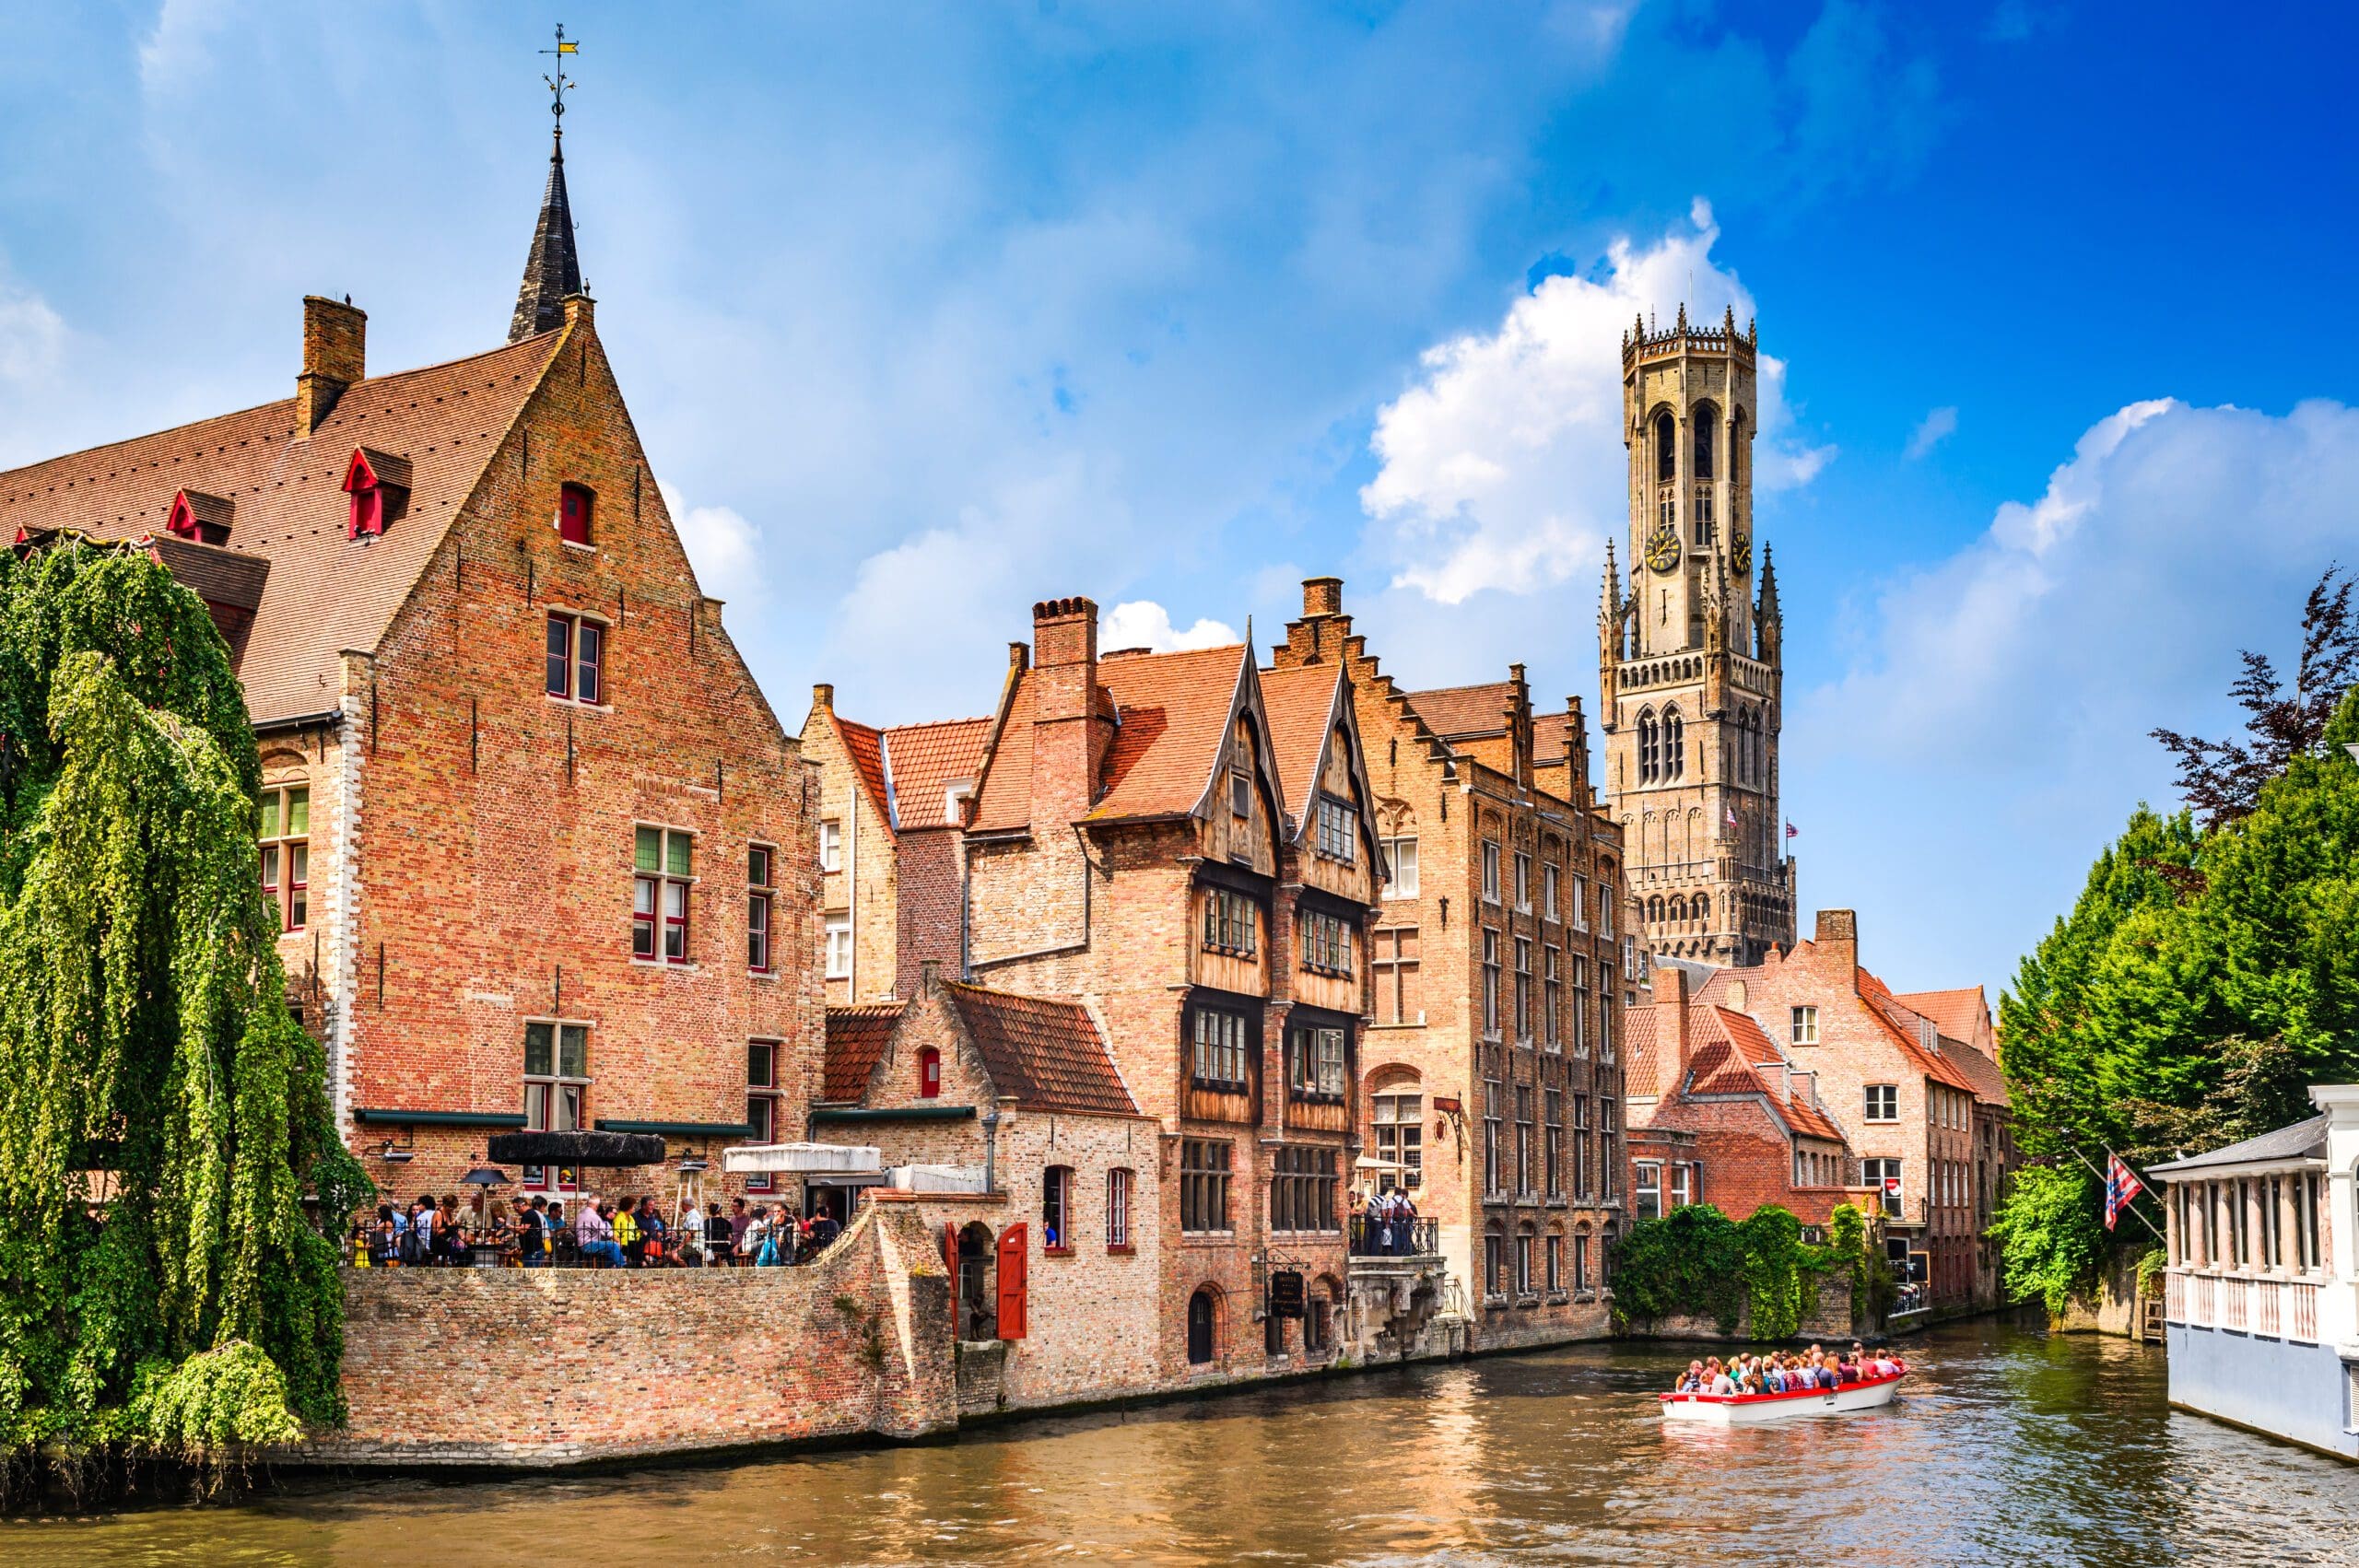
(1745, 1409)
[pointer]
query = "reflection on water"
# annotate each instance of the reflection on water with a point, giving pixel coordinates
(2009, 1447)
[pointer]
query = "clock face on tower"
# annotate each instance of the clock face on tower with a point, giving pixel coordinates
(1662, 547)
(1741, 551)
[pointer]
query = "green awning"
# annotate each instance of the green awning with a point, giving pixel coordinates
(678, 1128)
(439, 1118)
(904, 1113)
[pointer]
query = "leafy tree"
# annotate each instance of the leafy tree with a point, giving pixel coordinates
(161, 1113)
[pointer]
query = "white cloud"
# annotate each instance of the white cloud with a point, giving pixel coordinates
(1142, 623)
(1931, 431)
(1503, 467)
(726, 551)
(32, 336)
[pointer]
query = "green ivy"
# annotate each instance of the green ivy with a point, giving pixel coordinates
(163, 1115)
(1696, 1262)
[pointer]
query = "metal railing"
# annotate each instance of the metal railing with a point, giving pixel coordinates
(1394, 1238)
(563, 1250)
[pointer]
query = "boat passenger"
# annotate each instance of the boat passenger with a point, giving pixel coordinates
(1775, 1377)
(1692, 1381)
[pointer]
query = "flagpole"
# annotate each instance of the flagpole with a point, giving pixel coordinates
(2132, 1204)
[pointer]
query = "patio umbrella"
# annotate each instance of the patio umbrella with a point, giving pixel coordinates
(485, 1177)
(578, 1147)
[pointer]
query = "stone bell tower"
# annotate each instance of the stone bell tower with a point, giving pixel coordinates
(1689, 660)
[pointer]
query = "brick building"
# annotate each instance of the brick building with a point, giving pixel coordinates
(541, 852)
(1722, 1114)
(1924, 1112)
(891, 802)
(1493, 1088)
(1185, 844)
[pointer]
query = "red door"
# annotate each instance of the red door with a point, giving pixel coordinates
(950, 1266)
(1012, 1259)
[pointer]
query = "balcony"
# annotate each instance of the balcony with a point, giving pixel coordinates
(1402, 1239)
(2270, 1307)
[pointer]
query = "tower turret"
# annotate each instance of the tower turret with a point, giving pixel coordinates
(552, 266)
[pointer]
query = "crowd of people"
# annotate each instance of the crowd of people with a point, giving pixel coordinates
(1391, 1220)
(537, 1232)
(1786, 1372)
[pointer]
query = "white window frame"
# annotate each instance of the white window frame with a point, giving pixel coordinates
(832, 844)
(1401, 867)
(838, 945)
(1805, 1026)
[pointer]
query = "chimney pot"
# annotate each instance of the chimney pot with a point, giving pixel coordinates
(823, 695)
(1322, 596)
(336, 343)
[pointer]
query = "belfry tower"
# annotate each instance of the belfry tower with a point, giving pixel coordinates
(1689, 664)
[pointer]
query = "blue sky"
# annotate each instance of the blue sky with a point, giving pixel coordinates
(927, 312)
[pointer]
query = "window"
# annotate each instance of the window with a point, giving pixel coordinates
(1229, 922)
(1580, 1005)
(1494, 1264)
(1548, 891)
(1609, 1156)
(1523, 881)
(1605, 1013)
(1400, 1137)
(1554, 1157)
(831, 846)
(577, 657)
(1581, 1261)
(1555, 1264)
(1552, 1001)
(1666, 449)
(1490, 872)
(1580, 902)
(929, 1074)
(1650, 748)
(1580, 1147)
(1241, 794)
(761, 895)
(1884, 1102)
(1401, 860)
(1649, 1191)
(1491, 984)
(1339, 829)
(1523, 1140)
(1884, 1177)
(1679, 1190)
(1805, 1026)
(1204, 1185)
(1674, 744)
(574, 506)
(366, 519)
(1397, 998)
(1056, 1208)
(1523, 988)
(1315, 1068)
(1705, 423)
(283, 824)
(1523, 1264)
(1220, 1050)
(557, 1087)
(1326, 942)
(761, 1103)
(1118, 1208)
(1493, 1129)
(664, 864)
(1302, 1191)
(1606, 902)
(840, 947)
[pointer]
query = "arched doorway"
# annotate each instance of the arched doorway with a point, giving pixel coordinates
(1203, 1319)
(978, 1284)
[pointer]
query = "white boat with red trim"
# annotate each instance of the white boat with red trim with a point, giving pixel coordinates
(1747, 1410)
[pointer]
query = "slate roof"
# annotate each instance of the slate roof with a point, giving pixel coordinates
(2302, 1141)
(856, 1041)
(552, 266)
(325, 592)
(1045, 1053)
(1458, 712)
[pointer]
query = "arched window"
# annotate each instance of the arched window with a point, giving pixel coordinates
(1678, 908)
(1706, 425)
(1666, 448)
(1703, 908)
(1654, 909)
(1674, 744)
(1650, 748)
(1201, 1321)
(929, 1074)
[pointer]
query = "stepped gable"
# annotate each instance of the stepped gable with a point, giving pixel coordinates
(323, 593)
(856, 1041)
(1047, 1054)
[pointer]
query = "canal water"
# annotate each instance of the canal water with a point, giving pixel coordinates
(2009, 1447)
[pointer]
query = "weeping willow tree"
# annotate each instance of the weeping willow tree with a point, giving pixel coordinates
(163, 1115)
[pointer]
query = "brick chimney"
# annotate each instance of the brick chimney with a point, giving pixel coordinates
(823, 696)
(1323, 634)
(1671, 990)
(1069, 736)
(335, 355)
(1322, 596)
(1838, 938)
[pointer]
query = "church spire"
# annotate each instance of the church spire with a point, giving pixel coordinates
(552, 267)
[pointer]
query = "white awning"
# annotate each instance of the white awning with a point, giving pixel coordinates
(803, 1159)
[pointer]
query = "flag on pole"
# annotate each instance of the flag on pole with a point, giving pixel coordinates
(2121, 1185)
(1731, 814)
(1792, 831)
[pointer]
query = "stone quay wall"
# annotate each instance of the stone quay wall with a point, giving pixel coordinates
(1827, 1321)
(543, 1367)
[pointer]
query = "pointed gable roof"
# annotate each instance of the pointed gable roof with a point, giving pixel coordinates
(1962, 1014)
(552, 266)
(325, 592)
(856, 1041)
(1044, 1052)
(1173, 713)
(1900, 1024)
(921, 761)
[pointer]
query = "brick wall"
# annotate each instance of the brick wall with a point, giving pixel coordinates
(926, 904)
(539, 1368)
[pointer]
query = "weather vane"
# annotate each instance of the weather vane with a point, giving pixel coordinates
(559, 85)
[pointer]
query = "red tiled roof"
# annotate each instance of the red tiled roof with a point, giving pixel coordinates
(1454, 713)
(1755, 1049)
(1045, 1053)
(1004, 801)
(325, 592)
(1174, 709)
(1548, 732)
(856, 1040)
(1961, 1014)
(862, 746)
(1901, 1025)
(921, 761)
(1300, 702)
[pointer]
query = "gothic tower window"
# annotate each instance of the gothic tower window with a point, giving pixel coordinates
(1654, 909)
(1702, 908)
(1674, 744)
(1666, 449)
(1706, 427)
(1650, 753)
(1678, 908)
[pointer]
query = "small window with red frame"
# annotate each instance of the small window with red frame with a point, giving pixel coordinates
(929, 1074)
(575, 506)
(577, 657)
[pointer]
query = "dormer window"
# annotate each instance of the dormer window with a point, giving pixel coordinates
(574, 506)
(204, 519)
(378, 482)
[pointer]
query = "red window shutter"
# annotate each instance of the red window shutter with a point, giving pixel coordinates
(950, 1266)
(1012, 1258)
